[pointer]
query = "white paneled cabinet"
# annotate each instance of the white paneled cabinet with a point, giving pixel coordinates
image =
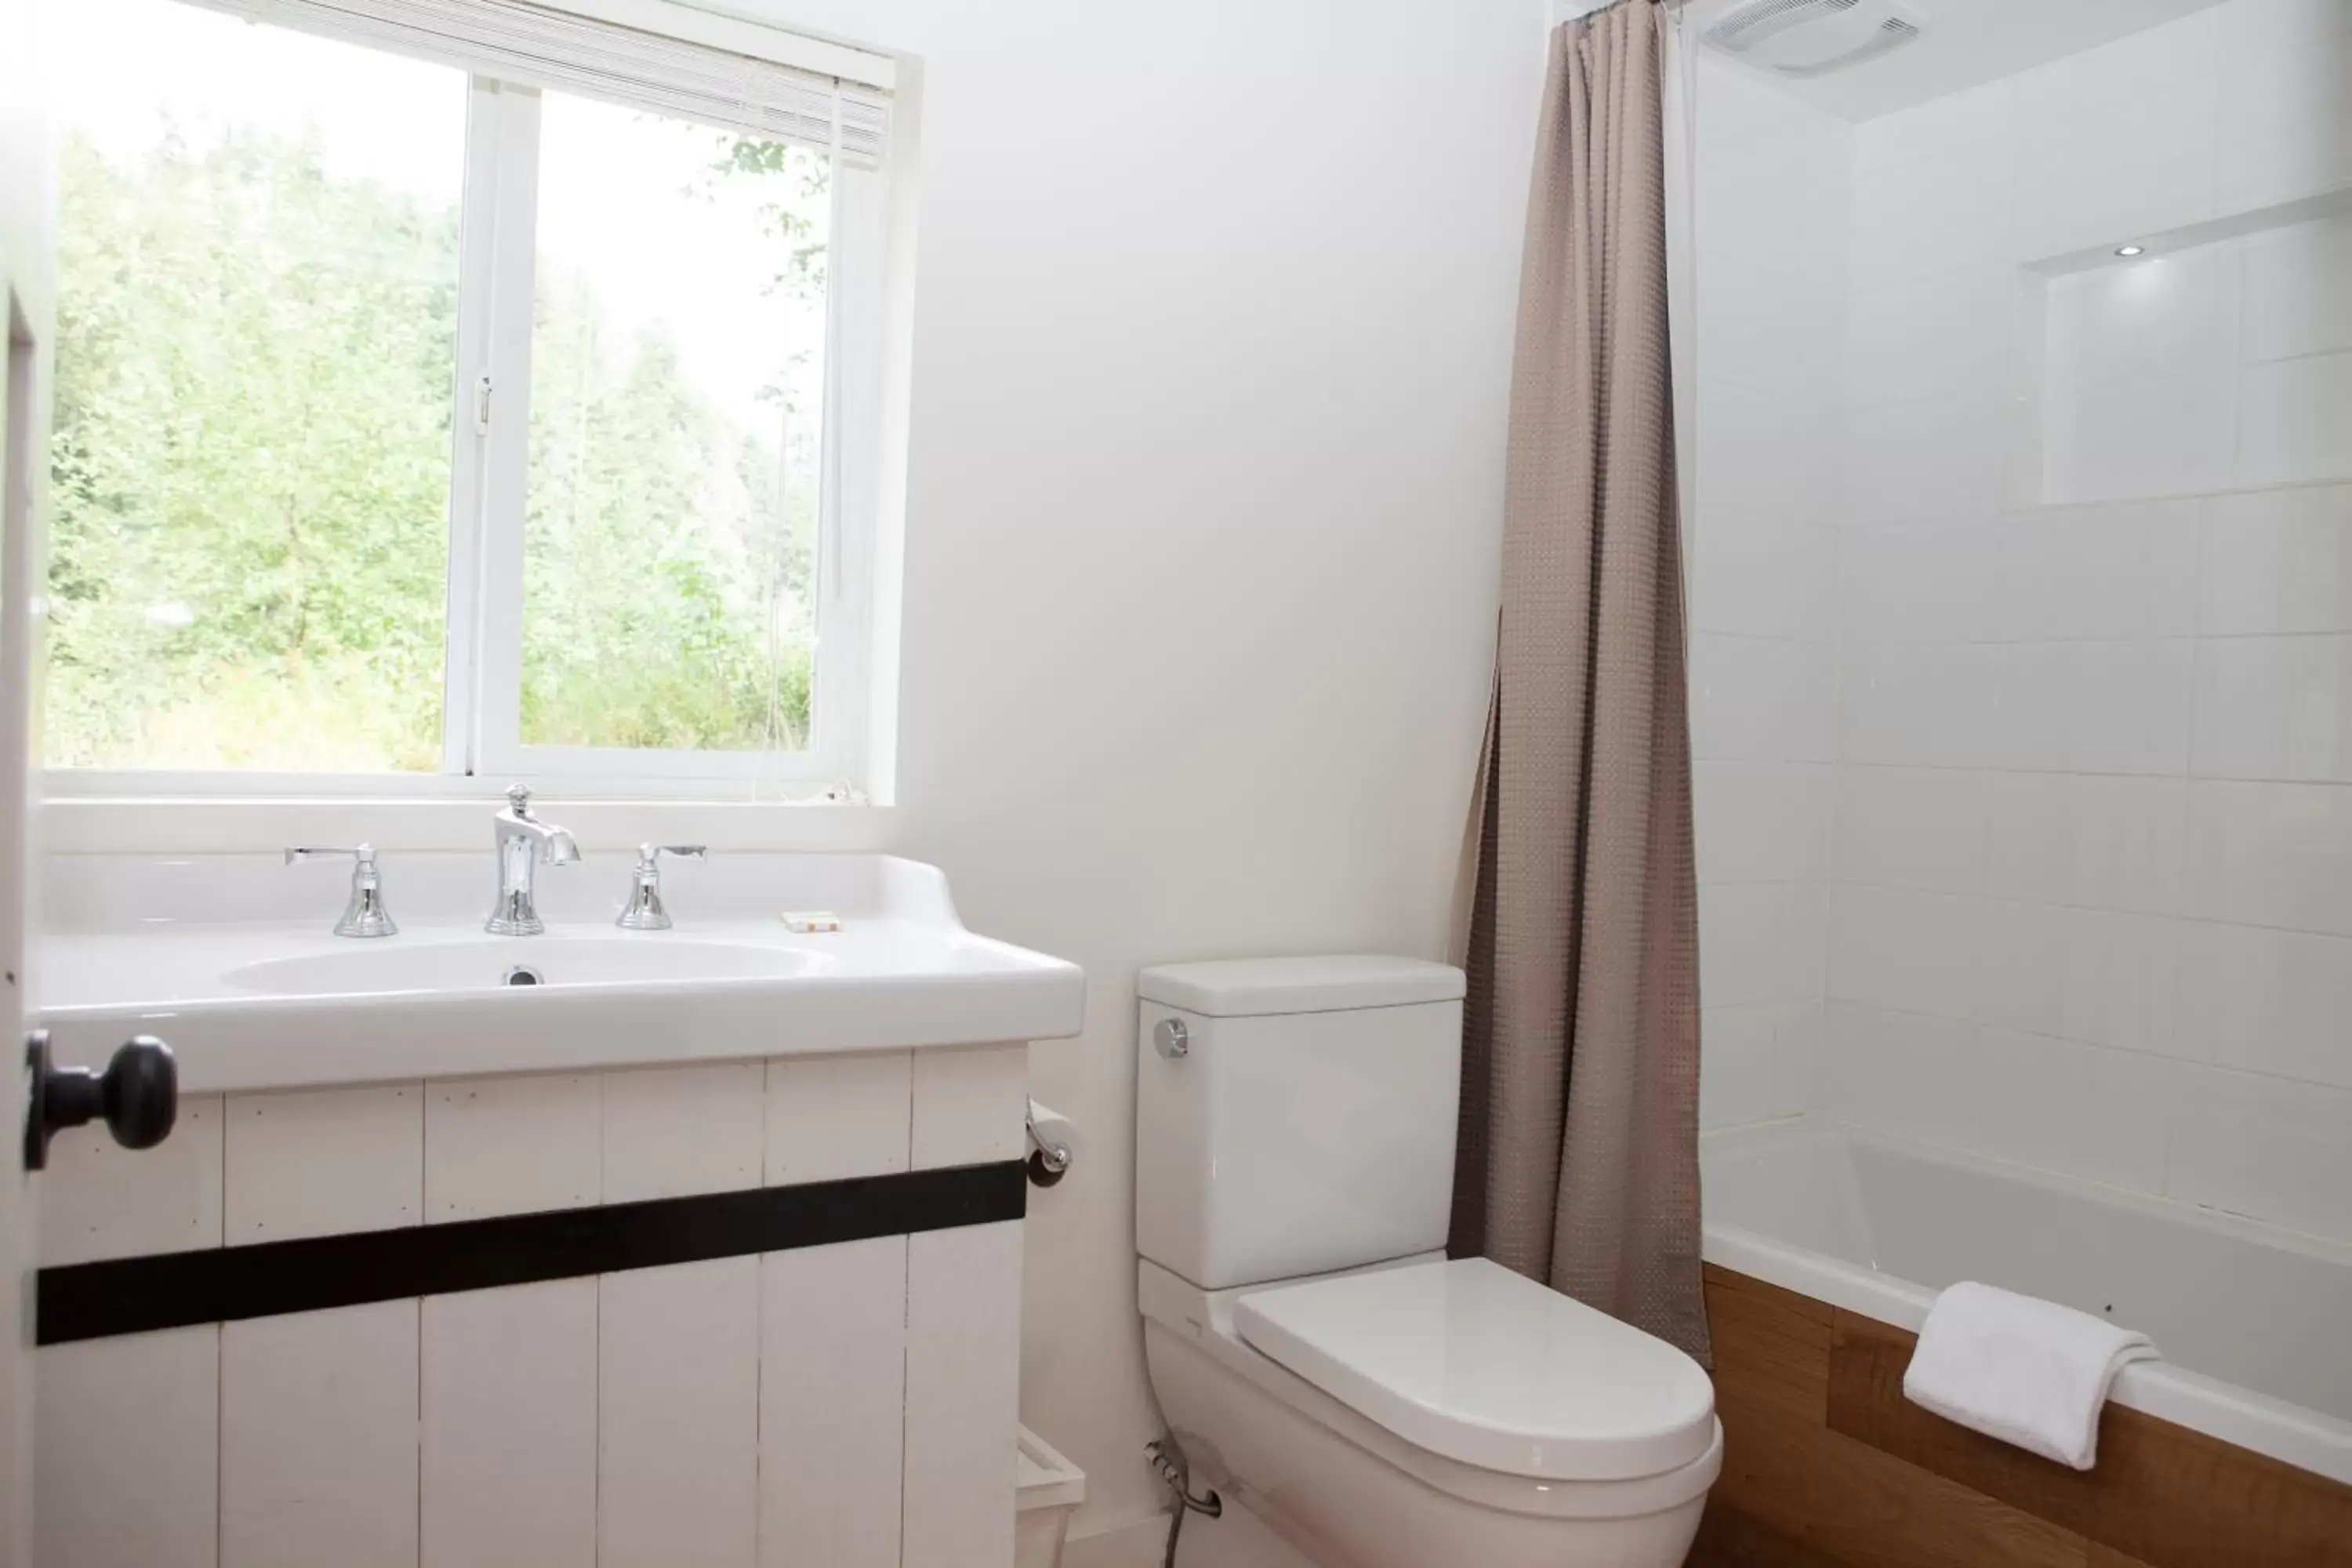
(833, 1408)
(830, 1117)
(969, 1105)
(674, 1132)
(319, 1161)
(677, 1416)
(963, 1305)
(318, 1438)
(841, 1405)
(102, 1200)
(125, 1451)
(512, 1145)
(507, 1426)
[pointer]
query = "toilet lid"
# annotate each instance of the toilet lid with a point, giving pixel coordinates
(1468, 1360)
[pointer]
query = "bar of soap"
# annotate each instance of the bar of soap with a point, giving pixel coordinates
(804, 922)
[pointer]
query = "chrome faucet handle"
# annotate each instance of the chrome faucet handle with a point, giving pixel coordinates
(365, 915)
(518, 800)
(643, 911)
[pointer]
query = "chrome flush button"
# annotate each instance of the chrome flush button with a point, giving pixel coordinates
(1169, 1036)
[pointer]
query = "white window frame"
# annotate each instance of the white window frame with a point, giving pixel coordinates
(482, 746)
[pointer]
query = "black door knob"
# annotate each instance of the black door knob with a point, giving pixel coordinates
(138, 1094)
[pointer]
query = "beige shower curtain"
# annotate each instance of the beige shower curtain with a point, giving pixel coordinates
(1577, 1161)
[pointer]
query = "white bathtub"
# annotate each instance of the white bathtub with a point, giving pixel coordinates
(2255, 1323)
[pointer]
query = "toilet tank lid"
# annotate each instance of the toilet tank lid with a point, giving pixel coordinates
(1252, 987)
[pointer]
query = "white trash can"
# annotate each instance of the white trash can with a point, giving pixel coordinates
(1047, 1491)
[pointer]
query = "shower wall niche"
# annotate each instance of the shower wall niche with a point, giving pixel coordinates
(2213, 358)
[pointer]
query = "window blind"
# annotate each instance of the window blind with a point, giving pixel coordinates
(539, 46)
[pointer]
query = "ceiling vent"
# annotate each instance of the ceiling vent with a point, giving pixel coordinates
(1813, 37)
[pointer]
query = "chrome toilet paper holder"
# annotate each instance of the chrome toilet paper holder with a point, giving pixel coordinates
(1049, 1144)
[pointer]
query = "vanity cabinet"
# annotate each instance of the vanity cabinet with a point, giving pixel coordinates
(829, 1381)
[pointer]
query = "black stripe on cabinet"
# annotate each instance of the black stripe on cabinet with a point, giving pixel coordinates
(175, 1290)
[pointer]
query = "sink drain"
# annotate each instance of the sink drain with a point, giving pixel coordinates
(524, 974)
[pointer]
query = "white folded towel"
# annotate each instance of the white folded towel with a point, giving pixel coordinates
(2026, 1371)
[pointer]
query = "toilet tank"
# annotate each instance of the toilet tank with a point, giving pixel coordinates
(1294, 1115)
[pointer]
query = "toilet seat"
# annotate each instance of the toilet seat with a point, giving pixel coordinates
(1468, 1361)
(1180, 1316)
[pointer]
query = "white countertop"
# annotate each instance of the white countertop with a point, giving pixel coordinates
(432, 1002)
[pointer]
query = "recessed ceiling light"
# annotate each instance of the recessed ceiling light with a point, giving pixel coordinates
(2131, 250)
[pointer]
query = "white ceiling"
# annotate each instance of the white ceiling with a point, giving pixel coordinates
(1964, 43)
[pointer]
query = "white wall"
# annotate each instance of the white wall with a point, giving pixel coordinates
(2093, 838)
(1212, 347)
(1769, 237)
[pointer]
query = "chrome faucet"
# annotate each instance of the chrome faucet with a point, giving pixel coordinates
(644, 912)
(364, 915)
(524, 842)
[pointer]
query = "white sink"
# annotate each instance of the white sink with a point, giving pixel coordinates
(489, 963)
(251, 1004)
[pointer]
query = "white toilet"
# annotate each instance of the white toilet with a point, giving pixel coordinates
(1313, 1352)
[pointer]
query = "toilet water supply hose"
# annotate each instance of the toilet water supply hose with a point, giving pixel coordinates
(1167, 1462)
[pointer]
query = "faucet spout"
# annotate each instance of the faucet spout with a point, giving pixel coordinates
(524, 843)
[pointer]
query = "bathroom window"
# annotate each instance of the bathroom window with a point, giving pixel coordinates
(460, 389)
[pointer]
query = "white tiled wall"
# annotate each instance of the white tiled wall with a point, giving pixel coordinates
(851, 1405)
(2086, 850)
(1769, 239)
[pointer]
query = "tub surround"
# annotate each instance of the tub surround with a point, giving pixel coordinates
(2017, 687)
(1875, 1228)
(1824, 1251)
(1826, 1464)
